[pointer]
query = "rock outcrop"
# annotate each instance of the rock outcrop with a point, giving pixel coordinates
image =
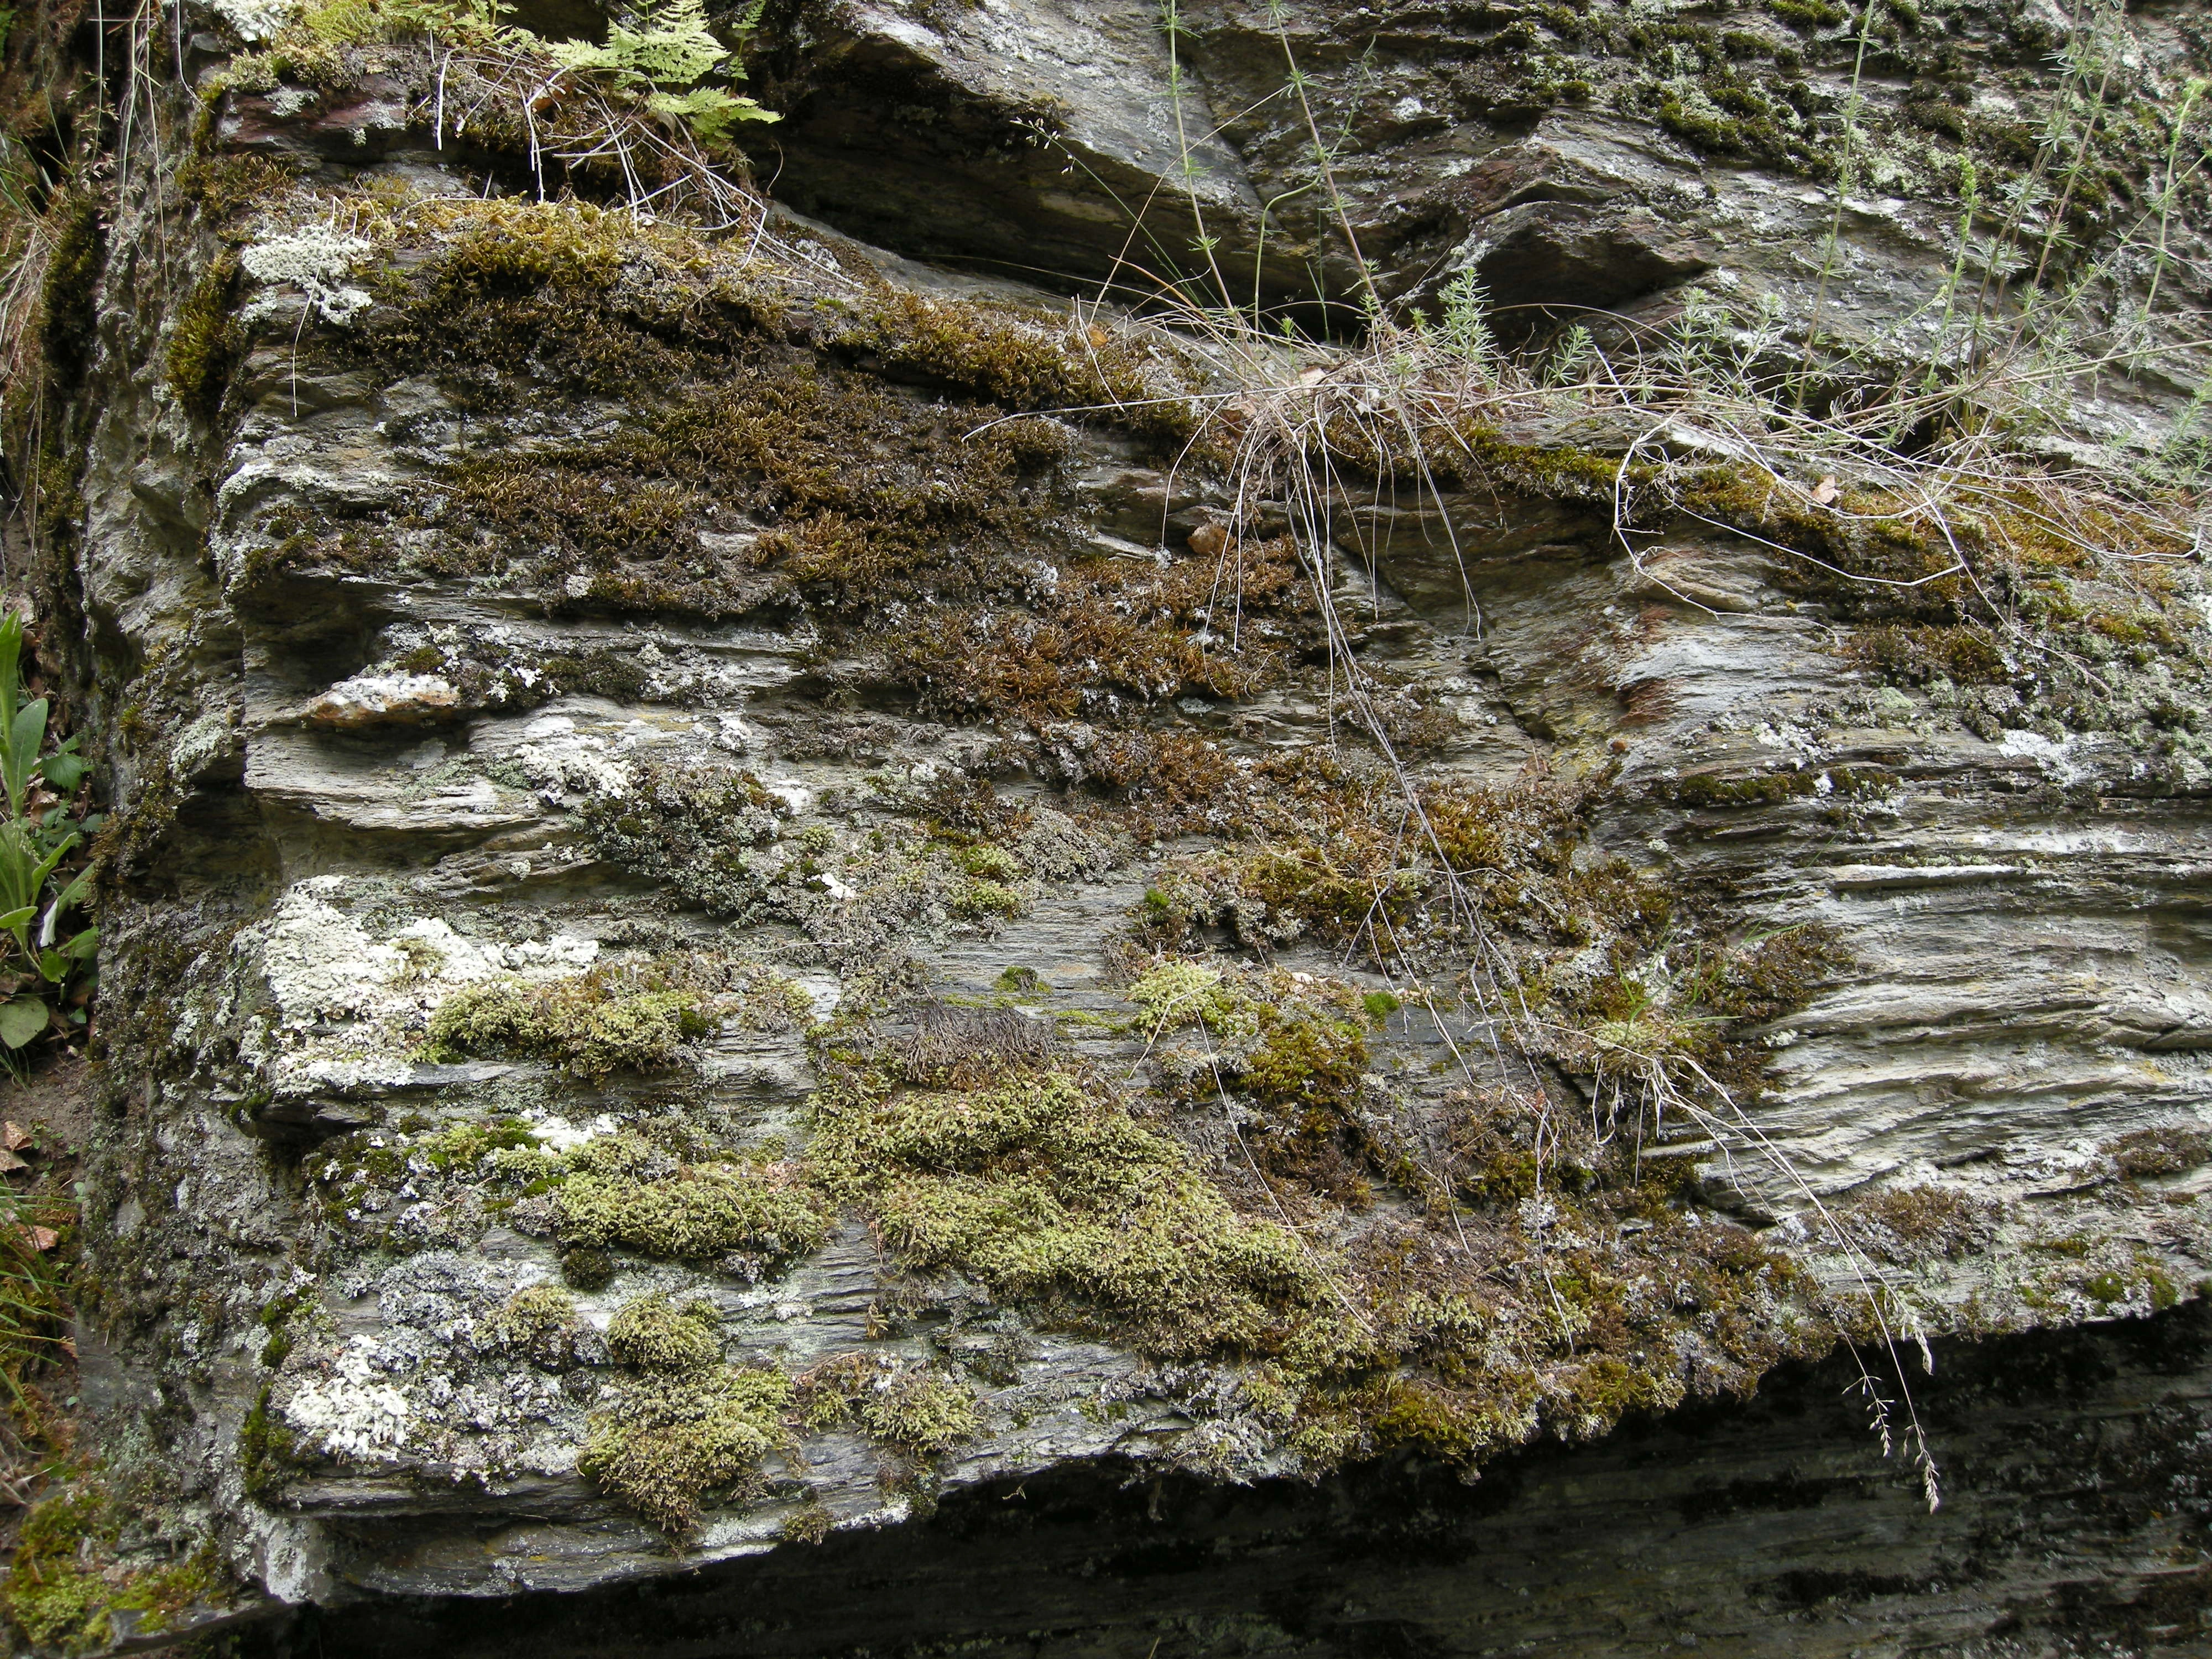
(771, 884)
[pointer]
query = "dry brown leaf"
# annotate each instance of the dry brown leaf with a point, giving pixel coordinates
(43, 1238)
(14, 1136)
(1826, 491)
(10, 1164)
(1208, 539)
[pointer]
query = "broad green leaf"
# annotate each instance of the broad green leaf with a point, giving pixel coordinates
(54, 965)
(83, 945)
(63, 771)
(19, 918)
(19, 877)
(20, 1020)
(11, 673)
(24, 735)
(28, 734)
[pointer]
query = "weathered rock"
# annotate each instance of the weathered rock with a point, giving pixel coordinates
(382, 700)
(599, 699)
(1761, 1529)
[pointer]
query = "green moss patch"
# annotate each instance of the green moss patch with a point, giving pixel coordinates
(674, 1437)
(1044, 1187)
(206, 342)
(701, 1213)
(691, 830)
(65, 1580)
(1292, 1048)
(918, 1411)
(52, 1596)
(539, 1322)
(653, 1334)
(587, 1024)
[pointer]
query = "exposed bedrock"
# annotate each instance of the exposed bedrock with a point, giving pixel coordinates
(783, 972)
(2075, 1524)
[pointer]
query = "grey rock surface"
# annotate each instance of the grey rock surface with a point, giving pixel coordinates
(380, 764)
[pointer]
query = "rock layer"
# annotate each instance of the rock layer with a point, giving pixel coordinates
(2074, 1524)
(602, 711)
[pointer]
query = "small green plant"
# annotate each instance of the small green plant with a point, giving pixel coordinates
(34, 898)
(665, 60)
(643, 107)
(1466, 332)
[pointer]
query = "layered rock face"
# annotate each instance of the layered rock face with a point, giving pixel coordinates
(772, 884)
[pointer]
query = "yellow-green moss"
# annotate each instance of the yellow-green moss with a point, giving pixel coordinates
(916, 1410)
(64, 1583)
(1293, 1047)
(160, 1595)
(1708, 789)
(1967, 654)
(52, 1594)
(701, 1212)
(974, 900)
(926, 1414)
(355, 1173)
(585, 1269)
(808, 1524)
(584, 1024)
(988, 863)
(1045, 1189)
(539, 1322)
(1038, 1183)
(224, 186)
(69, 292)
(653, 1334)
(670, 1439)
(1334, 853)
(266, 1446)
(206, 342)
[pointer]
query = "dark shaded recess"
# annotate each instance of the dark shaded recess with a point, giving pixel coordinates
(1571, 255)
(312, 632)
(2077, 1468)
(561, 20)
(882, 146)
(879, 142)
